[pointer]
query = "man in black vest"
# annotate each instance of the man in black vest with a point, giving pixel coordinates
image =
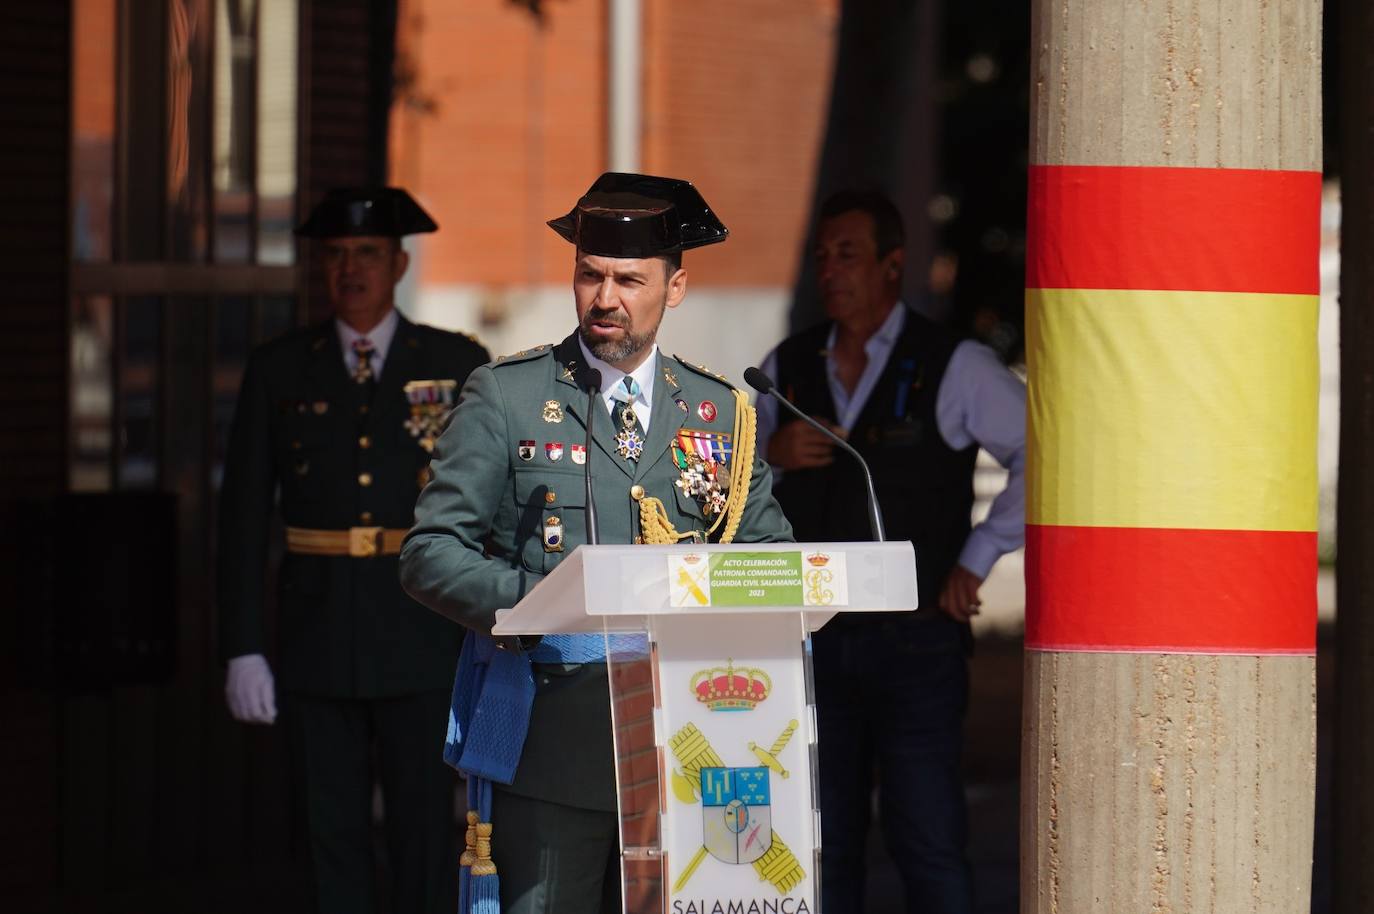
(891, 690)
(335, 423)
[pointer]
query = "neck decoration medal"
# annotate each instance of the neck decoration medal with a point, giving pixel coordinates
(629, 443)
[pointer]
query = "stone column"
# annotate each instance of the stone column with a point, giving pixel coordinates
(1169, 728)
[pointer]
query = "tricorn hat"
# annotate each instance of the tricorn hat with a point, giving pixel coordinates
(386, 211)
(625, 215)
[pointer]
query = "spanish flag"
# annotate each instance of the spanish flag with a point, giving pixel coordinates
(1171, 322)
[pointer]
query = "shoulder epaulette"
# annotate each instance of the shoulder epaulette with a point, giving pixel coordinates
(704, 371)
(525, 355)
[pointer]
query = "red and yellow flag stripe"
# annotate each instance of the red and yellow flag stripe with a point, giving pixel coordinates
(1171, 340)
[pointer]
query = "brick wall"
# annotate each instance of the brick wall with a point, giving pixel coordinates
(735, 99)
(501, 125)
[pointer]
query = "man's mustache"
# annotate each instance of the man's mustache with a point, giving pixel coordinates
(606, 317)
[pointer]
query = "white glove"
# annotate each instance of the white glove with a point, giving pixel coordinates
(249, 690)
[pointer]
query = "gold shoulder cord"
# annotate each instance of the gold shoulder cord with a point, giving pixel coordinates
(653, 518)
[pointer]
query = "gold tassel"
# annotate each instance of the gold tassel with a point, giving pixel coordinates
(654, 525)
(742, 468)
(483, 865)
(469, 856)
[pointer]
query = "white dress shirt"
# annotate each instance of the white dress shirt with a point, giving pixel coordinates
(979, 402)
(612, 377)
(380, 337)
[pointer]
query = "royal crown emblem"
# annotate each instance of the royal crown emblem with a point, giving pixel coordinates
(729, 689)
(818, 560)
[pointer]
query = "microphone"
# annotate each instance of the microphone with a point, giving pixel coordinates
(764, 385)
(591, 379)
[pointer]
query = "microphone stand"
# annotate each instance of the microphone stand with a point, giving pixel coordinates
(592, 378)
(764, 385)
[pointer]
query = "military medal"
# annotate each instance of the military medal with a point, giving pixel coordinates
(700, 456)
(553, 535)
(707, 411)
(554, 450)
(629, 443)
(553, 411)
(579, 454)
(526, 450)
(430, 404)
(712, 447)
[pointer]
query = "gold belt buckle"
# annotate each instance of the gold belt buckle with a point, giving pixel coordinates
(364, 542)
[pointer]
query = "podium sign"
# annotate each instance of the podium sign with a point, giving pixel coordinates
(713, 707)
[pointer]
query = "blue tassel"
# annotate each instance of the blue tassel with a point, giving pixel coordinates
(469, 854)
(486, 895)
(484, 888)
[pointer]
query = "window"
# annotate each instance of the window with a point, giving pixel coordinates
(184, 189)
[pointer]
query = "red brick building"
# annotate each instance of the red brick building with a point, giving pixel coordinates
(501, 121)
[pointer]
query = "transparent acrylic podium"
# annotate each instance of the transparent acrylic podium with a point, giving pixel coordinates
(711, 700)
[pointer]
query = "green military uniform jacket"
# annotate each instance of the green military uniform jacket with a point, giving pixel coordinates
(478, 544)
(345, 629)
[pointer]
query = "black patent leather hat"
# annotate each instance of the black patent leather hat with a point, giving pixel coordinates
(351, 211)
(627, 215)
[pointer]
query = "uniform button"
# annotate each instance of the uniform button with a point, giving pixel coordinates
(550, 497)
(364, 479)
(365, 442)
(365, 517)
(362, 410)
(295, 445)
(636, 492)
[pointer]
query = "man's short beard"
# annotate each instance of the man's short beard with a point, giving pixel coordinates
(612, 351)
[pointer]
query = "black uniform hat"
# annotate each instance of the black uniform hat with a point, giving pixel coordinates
(385, 211)
(625, 215)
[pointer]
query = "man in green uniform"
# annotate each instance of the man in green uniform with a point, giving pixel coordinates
(338, 420)
(670, 443)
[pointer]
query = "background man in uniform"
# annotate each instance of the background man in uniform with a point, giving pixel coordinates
(507, 504)
(338, 418)
(891, 692)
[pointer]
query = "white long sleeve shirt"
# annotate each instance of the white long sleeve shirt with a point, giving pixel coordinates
(979, 401)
